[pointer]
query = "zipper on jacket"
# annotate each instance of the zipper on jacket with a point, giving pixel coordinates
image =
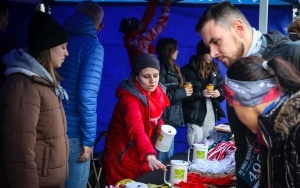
(172, 84)
(123, 151)
(149, 123)
(268, 157)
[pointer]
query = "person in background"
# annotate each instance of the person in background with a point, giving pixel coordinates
(269, 106)
(3, 16)
(294, 29)
(82, 78)
(170, 76)
(136, 122)
(34, 145)
(229, 35)
(137, 37)
(202, 109)
(7, 41)
(3, 25)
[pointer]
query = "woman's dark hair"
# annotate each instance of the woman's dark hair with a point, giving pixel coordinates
(44, 58)
(205, 68)
(129, 25)
(251, 69)
(165, 48)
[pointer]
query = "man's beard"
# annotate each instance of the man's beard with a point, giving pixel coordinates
(238, 53)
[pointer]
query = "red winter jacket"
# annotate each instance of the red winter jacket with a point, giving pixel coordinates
(130, 136)
(140, 41)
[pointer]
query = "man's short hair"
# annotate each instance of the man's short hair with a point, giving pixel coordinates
(222, 13)
(90, 9)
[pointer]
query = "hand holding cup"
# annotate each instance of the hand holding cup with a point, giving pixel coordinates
(209, 90)
(188, 88)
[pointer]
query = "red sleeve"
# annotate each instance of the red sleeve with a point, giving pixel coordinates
(146, 38)
(159, 124)
(135, 128)
(149, 13)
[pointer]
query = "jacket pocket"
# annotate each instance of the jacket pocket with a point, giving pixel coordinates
(120, 156)
(45, 161)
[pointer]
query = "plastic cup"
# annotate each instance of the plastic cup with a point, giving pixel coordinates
(187, 84)
(210, 87)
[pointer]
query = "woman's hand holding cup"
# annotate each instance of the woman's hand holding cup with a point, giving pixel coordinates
(215, 94)
(208, 91)
(188, 88)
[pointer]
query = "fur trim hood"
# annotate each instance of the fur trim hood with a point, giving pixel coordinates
(289, 115)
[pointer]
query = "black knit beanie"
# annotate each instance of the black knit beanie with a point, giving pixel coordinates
(144, 61)
(45, 33)
(202, 49)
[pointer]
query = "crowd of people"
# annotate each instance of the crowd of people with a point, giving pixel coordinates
(49, 89)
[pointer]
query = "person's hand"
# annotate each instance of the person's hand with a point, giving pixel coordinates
(85, 154)
(215, 94)
(189, 91)
(207, 93)
(155, 164)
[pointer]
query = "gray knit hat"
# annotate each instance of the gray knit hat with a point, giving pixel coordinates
(145, 61)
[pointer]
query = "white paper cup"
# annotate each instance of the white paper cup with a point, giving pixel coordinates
(165, 138)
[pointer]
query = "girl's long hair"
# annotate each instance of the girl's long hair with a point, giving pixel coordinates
(165, 48)
(44, 58)
(205, 68)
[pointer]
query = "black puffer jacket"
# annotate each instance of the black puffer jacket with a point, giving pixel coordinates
(173, 114)
(281, 132)
(194, 107)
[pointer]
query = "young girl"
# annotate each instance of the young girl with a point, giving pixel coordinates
(265, 96)
(34, 144)
(202, 109)
(170, 76)
(135, 124)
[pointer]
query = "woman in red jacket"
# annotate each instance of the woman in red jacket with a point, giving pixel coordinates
(129, 144)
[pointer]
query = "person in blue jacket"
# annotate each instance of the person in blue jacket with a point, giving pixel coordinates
(81, 76)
